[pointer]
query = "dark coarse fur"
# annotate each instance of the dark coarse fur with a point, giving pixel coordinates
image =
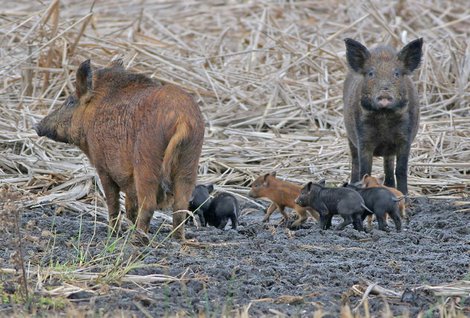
(330, 201)
(224, 206)
(381, 110)
(381, 202)
(143, 139)
(214, 211)
(200, 200)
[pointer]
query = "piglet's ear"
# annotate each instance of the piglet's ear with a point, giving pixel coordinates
(309, 186)
(356, 54)
(411, 55)
(210, 188)
(116, 63)
(322, 182)
(84, 79)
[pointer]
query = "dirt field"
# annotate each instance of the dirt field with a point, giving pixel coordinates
(264, 269)
(268, 76)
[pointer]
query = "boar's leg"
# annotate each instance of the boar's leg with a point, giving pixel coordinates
(401, 171)
(365, 161)
(355, 162)
(131, 205)
(111, 191)
(182, 190)
(389, 165)
(147, 201)
(270, 211)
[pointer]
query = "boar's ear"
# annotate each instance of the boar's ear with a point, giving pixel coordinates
(273, 174)
(322, 182)
(356, 54)
(84, 79)
(210, 188)
(411, 54)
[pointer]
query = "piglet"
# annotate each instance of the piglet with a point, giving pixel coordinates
(331, 201)
(214, 211)
(380, 202)
(282, 194)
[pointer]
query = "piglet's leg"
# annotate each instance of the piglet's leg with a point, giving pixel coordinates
(270, 211)
(347, 220)
(222, 224)
(111, 191)
(302, 213)
(234, 220)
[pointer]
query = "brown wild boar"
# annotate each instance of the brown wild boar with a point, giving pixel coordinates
(282, 194)
(372, 182)
(143, 139)
(381, 110)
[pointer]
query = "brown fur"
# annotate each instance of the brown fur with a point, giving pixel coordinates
(143, 139)
(282, 194)
(372, 182)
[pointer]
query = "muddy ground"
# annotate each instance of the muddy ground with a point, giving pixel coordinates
(263, 268)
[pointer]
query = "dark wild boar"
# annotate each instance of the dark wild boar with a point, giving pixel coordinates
(143, 139)
(372, 182)
(282, 194)
(380, 202)
(214, 211)
(381, 110)
(331, 201)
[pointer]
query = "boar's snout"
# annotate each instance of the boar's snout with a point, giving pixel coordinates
(299, 201)
(384, 100)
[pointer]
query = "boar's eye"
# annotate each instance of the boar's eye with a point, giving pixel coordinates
(371, 73)
(396, 73)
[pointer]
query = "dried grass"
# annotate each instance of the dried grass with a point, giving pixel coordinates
(268, 77)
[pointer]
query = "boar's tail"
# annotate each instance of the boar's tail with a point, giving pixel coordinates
(172, 154)
(367, 209)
